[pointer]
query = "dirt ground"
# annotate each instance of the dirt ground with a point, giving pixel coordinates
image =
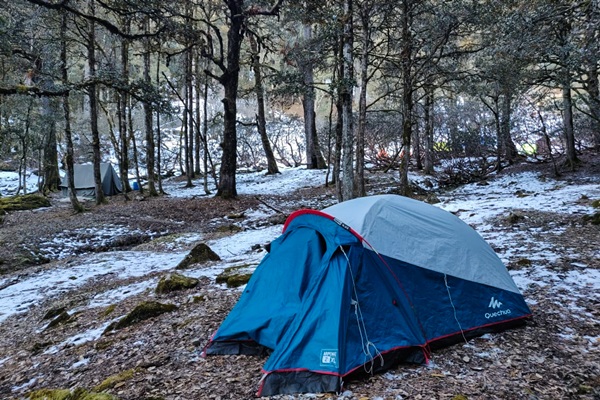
(160, 358)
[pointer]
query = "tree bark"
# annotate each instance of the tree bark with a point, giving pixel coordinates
(230, 78)
(359, 179)
(51, 175)
(260, 118)
(150, 148)
(407, 96)
(568, 121)
(594, 103)
(347, 191)
(93, 96)
(429, 98)
(314, 156)
(67, 115)
(510, 150)
(122, 114)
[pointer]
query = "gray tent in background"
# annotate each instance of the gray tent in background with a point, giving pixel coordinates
(84, 180)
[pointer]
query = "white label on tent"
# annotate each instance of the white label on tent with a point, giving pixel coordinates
(329, 357)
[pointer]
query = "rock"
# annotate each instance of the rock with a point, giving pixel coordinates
(234, 276)
(594, 219)
(175, 281)
(62, 318)
(54, 312)
(141, 312)
(66, 394)
(26, 202)
(114, 380)
(199, 254)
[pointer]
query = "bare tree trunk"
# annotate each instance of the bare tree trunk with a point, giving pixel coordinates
(206, 157)
(261, 121)
(134, 146)
(158, 136)
(314, 156)
(568, 121)
(510, 150)
(51, 175)
(188, 125)
(93, 95)
(429, 98)
(347, 118)
(416, 144)
(359, 179)
(150, 161)
(67, 114)
(594, 103)
(227, 182)
(407, 96)
(122, 114)
(197, 133)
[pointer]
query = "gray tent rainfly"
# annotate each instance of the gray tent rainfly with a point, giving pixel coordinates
(84, 180)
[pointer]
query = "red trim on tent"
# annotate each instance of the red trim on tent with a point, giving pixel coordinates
(477, 327)
(324, 215)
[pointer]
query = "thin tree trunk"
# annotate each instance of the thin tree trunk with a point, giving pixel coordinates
(407, 96)
(51, 175)
(134, 147)
(568, 122)
(362, 102)
(429, 98)
(67, 115)
(122, 114)
(347, 120)
(206, 156)
(150, 147)
(197, 133)
(594, 103)
(261, 118)
(314, 156)
(510, 150)
(158, 136)
(93, 96)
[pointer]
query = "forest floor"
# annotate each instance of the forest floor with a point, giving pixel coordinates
(98, 265)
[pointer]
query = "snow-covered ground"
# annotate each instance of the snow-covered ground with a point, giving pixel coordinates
(474, 203)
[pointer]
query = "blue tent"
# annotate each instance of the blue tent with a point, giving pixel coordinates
(362, 285)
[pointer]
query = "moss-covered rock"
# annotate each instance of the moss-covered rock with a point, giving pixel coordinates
(25, 202)
(238, 280)
(141, 312)
(174, 282)
(235, 276)
(594, 219)
(109, 310)
(111, 381)
(199, 254)
(50, 394)
(66, 394)
(596, 203)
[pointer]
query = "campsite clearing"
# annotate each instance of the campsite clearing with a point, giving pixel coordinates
(551, 250)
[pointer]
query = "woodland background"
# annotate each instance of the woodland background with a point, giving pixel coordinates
(206, 88)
